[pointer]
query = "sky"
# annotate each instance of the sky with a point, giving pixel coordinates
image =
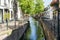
(47, 2)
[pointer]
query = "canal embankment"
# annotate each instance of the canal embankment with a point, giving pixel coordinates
(47, 32)
(17, 33)
(15, 30)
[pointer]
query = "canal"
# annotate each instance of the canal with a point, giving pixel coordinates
(34, 31)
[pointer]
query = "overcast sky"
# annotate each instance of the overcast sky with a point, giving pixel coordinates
(47, 2)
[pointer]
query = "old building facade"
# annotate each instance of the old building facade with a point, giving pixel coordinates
(6, 6)
(7, 11)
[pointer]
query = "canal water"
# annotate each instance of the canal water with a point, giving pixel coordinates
(35, 31)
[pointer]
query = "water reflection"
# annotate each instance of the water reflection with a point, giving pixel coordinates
(33, 29)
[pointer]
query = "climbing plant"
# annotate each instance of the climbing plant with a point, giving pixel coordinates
(31, 6)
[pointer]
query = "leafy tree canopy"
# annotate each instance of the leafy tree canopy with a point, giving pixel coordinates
(31, 6)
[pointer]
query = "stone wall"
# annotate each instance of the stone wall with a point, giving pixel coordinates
(17, 33)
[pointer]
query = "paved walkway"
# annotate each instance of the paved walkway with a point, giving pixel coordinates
(11, 26)
(3, 26)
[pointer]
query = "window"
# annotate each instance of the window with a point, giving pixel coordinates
(12, 15)
(9, 1)
(4, 2)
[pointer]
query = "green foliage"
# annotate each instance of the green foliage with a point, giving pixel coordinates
(39, 6)
(30, 7)
(6, 16)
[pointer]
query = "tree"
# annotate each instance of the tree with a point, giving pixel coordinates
(31, 6)
(39, 6)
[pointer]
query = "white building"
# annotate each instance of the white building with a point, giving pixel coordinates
(49, 13)
(6, 6)
(19, 11)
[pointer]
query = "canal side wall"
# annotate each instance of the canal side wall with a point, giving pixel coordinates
(18, 33)
(24, 34)
(48, 34)
(43, 30)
